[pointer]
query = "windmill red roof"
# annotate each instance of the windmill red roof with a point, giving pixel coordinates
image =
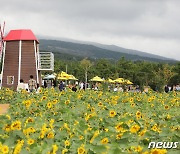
(20, 34)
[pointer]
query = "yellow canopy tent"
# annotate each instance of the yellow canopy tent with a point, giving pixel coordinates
(62, 76)
(110, 80)
(97, 78)
(119, 80)
(65, 76)
(128, 82)
(72, 77)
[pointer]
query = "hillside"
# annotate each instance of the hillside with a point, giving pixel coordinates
(86, 50)
(130, 51)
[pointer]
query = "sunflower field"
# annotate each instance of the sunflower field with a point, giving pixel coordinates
(88, 122)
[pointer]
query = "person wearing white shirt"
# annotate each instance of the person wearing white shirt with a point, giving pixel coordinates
(115, 89)
(21, 86)
(81, 85)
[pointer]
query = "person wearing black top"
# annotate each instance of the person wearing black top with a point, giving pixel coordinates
(74, 88)
(166, 89)
(61, 86)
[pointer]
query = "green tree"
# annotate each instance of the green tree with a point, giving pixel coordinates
(125, 68)
(175, 79)
(103, 68)
(86, 64)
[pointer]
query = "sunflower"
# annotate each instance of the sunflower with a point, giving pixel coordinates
(81, 137)
(43, 98)
(55, 148)
(149, 100)
(40, 90)
(133, 104)
(142, 132)
(158, 151)
(92, 109)
(104, 140)
(28, 103)
(7, 89)
(138, 99)
(106, 129)
(153, 97)
(55, 101)
(118, 136)
(135, 128)
(30, 141)
(138, 148)
(166, 107)
(31, 130)
(129, 122)
(155, 128)
(131, 100)
(138, 114)
(100, 104)
(119, 128)
(16, 125)
(88, 106)
(8, 116)
(168, 116)
(5, 149)
(7, 128)
(81, 150)
(67, 143)
(64, 151)
(67, 102)
(152, 105)
(96, 133)
(50, 135)
(49, 105)
(112, 113)
(28, 120)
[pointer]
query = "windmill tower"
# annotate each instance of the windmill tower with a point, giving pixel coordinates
(21, 58)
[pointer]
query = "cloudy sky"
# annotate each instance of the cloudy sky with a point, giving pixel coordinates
(147, 25)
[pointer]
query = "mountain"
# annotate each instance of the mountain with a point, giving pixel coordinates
(130, 51)
(96, 51)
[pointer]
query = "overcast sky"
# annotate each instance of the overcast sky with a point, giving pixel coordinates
(147, 25)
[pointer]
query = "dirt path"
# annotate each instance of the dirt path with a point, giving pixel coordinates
(4, 108)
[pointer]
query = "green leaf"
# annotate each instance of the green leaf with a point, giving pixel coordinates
(99, 149)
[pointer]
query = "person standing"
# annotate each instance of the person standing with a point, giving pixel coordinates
(166, 89)
(21, 86)
(81, 86)
(32, 84)
(61, 86)
(74, 88)
(45, 84)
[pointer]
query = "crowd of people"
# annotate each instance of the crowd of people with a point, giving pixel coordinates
(32, 86)
(172, 88)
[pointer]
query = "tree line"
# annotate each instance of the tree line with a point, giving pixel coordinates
(141, 73)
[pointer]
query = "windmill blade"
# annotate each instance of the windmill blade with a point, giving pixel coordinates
(2, 29)
(0, 32)
(1, 38)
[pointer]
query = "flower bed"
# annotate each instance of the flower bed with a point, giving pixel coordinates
(88, 122)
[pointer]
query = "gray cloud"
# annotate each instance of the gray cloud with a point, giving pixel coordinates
(151, 26)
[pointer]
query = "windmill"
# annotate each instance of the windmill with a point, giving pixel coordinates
(21, 58)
